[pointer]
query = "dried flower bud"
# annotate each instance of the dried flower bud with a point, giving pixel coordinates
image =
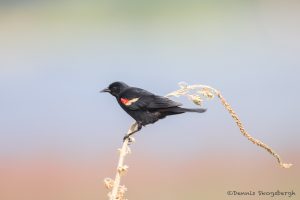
(122, 189)
(123, 169)
(196, 99)
(109, 183)
(286, 165)
(206, 92)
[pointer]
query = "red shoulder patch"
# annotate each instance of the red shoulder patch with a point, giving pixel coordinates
(128, 102)
(124, 101)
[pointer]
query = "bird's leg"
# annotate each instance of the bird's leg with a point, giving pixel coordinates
(138, 127)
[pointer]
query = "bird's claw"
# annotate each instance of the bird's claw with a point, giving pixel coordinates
(127, 137)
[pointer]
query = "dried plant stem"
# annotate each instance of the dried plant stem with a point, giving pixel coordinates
(208, 91)
(248, 136)
(118, 191)
(117, 180)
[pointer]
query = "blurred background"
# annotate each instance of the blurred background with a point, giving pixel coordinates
(59, 136)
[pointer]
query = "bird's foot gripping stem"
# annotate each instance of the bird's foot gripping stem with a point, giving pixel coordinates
(127, 137)
(134, 128)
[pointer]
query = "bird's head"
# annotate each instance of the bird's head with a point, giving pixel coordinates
(115, 88)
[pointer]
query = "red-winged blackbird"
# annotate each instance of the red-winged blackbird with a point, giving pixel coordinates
(143, 106)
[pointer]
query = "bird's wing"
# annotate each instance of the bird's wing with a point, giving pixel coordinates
(162, 102)
(137, 98)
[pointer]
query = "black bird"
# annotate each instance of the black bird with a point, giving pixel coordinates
(143, 106)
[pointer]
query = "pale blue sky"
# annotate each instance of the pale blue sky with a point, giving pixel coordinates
(54, 60)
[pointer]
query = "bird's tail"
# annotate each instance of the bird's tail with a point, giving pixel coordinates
(179, 110)
(197, 110)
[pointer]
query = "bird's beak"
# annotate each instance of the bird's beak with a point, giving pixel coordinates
(105, 90)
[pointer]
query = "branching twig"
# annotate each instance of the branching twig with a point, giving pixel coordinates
(118, 191)
(210, 92)
(195, 93)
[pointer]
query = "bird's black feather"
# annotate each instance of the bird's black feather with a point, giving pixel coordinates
(145, 107)
(147, 100)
